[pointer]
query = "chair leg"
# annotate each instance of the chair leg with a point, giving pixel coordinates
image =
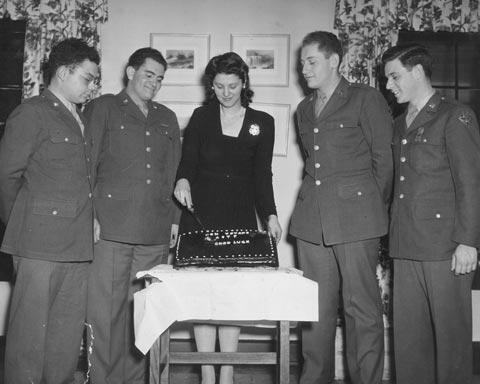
(283, 352)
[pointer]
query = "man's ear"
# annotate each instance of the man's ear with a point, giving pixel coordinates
(62, 72)
(334, 60)
(130, 71)
(418, 72)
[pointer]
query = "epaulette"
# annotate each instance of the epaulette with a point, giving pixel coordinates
(156, 105)
(450, 100)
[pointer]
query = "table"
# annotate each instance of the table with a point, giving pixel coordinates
(244, 294)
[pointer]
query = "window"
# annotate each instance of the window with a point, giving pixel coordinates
(456, 64)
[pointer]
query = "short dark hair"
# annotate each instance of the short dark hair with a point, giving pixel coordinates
(137, 58)
(68, 52)
(228, 63)
(410, 55)
(326, 42)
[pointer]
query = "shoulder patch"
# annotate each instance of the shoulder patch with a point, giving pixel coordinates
(465, 118)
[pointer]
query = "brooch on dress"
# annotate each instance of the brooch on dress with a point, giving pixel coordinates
(254, 129)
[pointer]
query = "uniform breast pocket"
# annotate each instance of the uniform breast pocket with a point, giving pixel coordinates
(162, 141)
(343, 137)
(426, 155)
(125, 142)
(63, 149)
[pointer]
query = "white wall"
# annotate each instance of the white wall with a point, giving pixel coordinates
(131, 22)
(5, 289)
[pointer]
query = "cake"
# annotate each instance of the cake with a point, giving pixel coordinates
(226, 248)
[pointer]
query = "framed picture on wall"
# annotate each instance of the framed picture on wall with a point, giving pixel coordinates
(186, 55)
(281, 115)
(267, 56)
(183, 110)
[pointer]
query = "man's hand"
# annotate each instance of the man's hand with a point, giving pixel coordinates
(464, 259)
(183, 194)
(96, 230)
(173, 235)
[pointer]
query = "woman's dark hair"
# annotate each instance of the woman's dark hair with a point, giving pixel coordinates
(229, 63)
(410, 55)
(68, 52)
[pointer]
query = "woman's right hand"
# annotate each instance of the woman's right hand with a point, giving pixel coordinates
(182, 193)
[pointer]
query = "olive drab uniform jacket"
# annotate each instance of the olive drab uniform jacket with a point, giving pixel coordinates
(348, 167)
(436, 203)
(45, 183)
(136, 160)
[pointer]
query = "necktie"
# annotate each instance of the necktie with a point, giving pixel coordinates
(320, 101)
(411, 114)
(73, 109)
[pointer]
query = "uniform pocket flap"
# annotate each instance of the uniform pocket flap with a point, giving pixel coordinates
(434, 209)
(115, 193)
(357, 190)
(342, 124)
(58, 136)
(54, 208)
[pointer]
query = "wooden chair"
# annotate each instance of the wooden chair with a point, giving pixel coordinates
(161, 357)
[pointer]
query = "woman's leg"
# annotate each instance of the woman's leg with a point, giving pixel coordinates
(205, 336)
(228, 336)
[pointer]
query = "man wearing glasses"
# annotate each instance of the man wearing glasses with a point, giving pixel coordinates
(45, 201)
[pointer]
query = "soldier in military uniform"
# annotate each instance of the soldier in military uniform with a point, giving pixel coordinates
(341, 211)
(136, 152)
(45, 201)
(435, 224)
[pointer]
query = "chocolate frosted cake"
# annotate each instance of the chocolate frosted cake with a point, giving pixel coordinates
(226, 248)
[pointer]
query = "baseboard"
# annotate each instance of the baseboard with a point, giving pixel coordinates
(476, 358)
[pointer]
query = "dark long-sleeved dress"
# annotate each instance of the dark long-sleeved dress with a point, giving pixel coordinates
(229, 177)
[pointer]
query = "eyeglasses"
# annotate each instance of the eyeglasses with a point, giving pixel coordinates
(88, 78)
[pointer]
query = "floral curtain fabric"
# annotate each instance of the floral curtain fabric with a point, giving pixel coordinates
(368, 27)
(49, 21)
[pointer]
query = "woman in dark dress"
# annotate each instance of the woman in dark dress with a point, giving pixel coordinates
(226, 173)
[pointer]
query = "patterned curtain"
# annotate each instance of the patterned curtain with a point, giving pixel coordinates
(49, 21)
(368, 27)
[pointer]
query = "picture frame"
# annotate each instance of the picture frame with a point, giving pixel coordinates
(183, 110)
(187, 56)
(268, 57)
(282, 117)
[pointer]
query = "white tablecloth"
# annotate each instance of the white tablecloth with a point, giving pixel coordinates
(226, 294)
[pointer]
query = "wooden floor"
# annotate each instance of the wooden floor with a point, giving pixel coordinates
(191, 375)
